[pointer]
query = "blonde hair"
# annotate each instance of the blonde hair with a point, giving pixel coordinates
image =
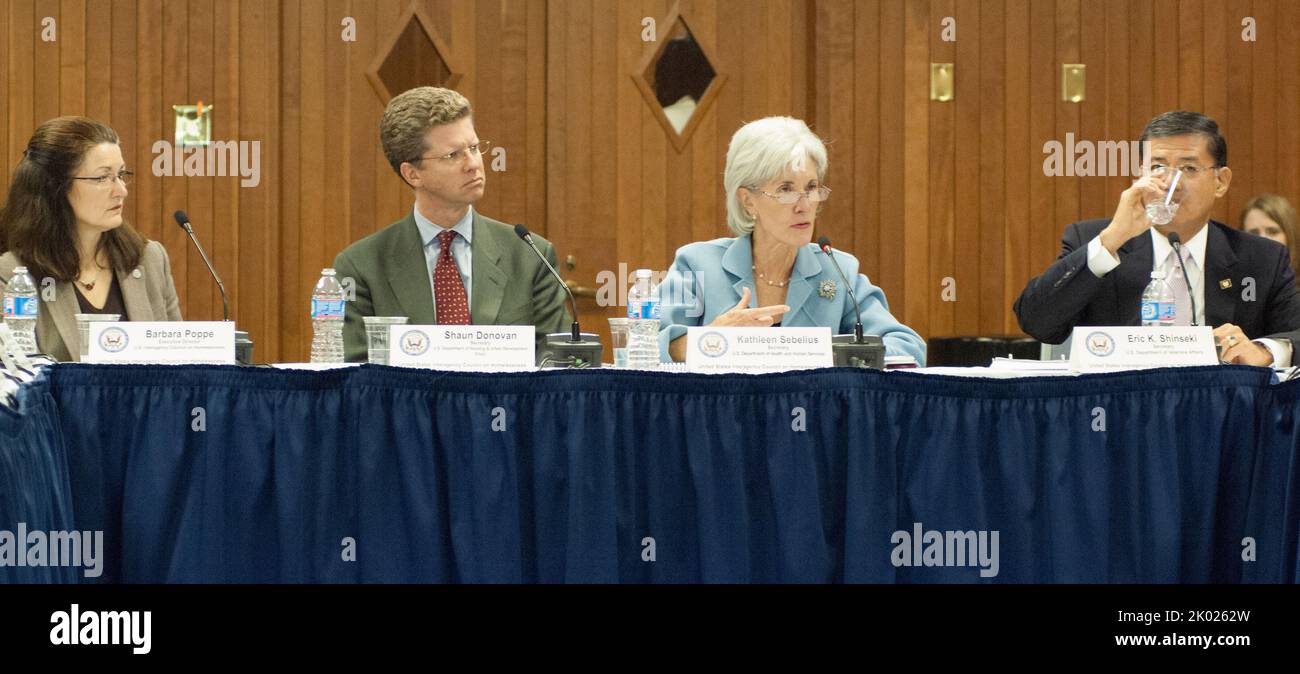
(763, 150)
(410, 115)
(1279, 210)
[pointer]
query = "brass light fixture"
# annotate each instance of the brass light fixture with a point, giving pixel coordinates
(193, 125)
(1073, 82)
(942, 82)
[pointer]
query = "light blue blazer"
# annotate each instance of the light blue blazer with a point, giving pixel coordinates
(707, 279)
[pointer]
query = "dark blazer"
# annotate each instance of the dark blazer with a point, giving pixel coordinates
(1069, 294)
(510, 285)
(147, 291)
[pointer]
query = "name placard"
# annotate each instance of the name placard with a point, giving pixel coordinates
(712, 349)
(463, 347)
(163, 343)
(1098, 349)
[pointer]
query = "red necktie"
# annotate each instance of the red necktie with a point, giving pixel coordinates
(448, 290)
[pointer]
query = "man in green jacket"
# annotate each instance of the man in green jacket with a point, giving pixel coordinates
(444, 263)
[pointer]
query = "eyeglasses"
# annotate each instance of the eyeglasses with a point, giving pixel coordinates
(100, 181)
(457, 156)
(1191, 171)
(789, 196)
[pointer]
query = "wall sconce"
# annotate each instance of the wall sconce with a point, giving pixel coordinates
(1073, 82)
(941, 82)
(193, 125)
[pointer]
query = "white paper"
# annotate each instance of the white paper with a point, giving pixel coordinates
(485, 348)
(1102, 349)
(162, 343)
(713, 349)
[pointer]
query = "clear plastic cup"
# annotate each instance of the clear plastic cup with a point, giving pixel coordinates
(618, 338)
(377, 336)
(83, 328)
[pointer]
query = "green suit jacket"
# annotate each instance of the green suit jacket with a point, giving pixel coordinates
(391, 278)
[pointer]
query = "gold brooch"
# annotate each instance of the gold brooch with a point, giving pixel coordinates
(827, 289)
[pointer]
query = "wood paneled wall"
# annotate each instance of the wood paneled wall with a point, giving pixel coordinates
(618, 191)
(923, 190)
(127, 62)
(957, 189)
(337, 185)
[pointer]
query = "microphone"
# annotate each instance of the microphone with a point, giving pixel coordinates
(243, 345)
(1178, 251)
(825, 244)
(575, 349)
(575, 331)
(184, 221)
(856, 350)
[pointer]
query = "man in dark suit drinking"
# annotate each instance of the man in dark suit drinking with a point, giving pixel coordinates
(1241, 285)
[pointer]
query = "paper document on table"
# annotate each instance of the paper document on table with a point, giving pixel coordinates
(1030, 365)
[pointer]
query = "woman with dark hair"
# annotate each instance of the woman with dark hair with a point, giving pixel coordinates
(63, 221)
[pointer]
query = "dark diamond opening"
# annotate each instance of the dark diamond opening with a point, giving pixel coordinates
(679, 75)
(413, 62)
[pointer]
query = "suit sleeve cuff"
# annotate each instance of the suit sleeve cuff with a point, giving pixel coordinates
(1100, 260)
(1281, 350)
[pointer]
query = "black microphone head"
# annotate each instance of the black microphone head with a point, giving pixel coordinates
(1174, 239)
(181, 218)
(823, 243)
(521, 232)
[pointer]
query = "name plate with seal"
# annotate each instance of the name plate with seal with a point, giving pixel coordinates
(491, 348)
(165, 343)
(711, 349)
(1100, 349)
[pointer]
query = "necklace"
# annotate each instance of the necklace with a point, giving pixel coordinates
(761, 277)
(90, 287)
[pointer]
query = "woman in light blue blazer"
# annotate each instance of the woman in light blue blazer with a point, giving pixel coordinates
(771, 273)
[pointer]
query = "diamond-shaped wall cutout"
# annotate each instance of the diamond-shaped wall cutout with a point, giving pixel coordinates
(678, 80)
(416, 56)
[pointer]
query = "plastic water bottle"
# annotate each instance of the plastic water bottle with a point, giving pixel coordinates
(643, 323)
(21, 307)
(327, 319)
(1158, 305)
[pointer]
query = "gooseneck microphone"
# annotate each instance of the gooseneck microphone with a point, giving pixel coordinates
(575, 330)
(575, 349)
(243, 345)
(184, 221)
(1176, 242)
(825, 244)
(856, 350)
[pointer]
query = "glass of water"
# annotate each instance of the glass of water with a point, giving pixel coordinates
(377, 349)
(1161, 211)
(83, 329)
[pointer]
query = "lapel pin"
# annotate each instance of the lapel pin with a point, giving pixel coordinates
(137, 273)
(1225, 284)
(826, 289)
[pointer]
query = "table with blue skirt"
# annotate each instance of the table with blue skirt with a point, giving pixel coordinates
(379, 474)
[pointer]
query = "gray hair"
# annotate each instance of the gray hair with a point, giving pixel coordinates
(761, 151)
